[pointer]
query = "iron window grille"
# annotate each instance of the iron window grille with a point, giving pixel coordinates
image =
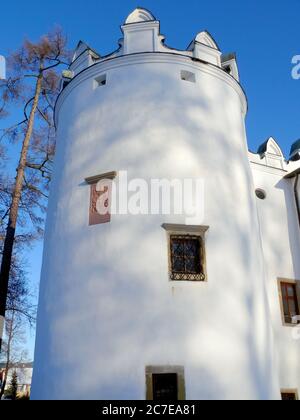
(165, 387)
(187, 256)
(288, 396)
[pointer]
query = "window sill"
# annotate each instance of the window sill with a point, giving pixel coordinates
(285, 324)
(186, 282)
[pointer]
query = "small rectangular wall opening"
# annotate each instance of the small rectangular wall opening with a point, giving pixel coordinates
(188, 76)
(228, 69)
(100, 80)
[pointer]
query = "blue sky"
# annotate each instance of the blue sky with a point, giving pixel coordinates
(264, 34)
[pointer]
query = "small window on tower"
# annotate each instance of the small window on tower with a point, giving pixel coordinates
(100, 81)
(187, 261)
(186, 257)
(289, 301)
(165, 383)
(228, 69)
(289, 395)
(188, 76)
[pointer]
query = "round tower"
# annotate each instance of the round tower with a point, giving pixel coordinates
(135, 304)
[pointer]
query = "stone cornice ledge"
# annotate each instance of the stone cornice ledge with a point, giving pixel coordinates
(270, 169)
(93, 179)
(170, 227)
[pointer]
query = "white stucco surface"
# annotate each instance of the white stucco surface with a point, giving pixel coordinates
(281, 246)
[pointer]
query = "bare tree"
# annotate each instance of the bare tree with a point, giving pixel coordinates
(8, 354)
(13, 353)
(9, 92)
(19, 311)
(34, 81)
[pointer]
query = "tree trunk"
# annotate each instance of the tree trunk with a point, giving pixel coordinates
(13, 214)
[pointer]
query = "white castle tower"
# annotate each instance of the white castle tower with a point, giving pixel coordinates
(147, 306)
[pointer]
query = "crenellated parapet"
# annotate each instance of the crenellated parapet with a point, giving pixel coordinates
(141, 34)
(83, 57)
(270, 157)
